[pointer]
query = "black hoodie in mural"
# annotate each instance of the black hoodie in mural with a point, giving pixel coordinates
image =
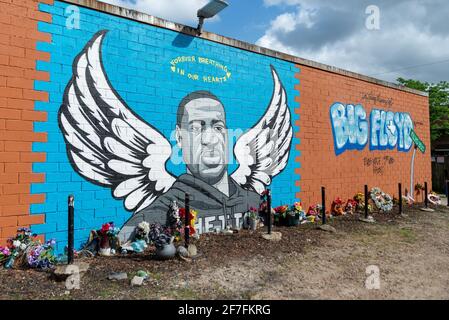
(211, 204)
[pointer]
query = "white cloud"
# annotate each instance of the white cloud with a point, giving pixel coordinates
(412, 33)
(182, 11)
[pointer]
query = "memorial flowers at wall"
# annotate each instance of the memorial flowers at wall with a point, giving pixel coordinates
(25, 250)
(383, 201)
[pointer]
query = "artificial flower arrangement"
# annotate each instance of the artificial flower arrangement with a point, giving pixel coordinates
(434, 198)
(359, 198)
(193, 215)
(351, 206)
(280, 215)
(27, 251)
(105, 239)
(383, 201)
(337, 207)
(175, 223)
(418, 188)
(296, 215)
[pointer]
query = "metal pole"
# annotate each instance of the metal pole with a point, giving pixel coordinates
(447, 194)
(71, 213)
(187, 220)
(323, 203)
(366, 201)
(400, 198)
(269, 210)
(425, 195)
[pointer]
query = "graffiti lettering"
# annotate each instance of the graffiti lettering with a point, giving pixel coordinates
(378, 164)
(377, 99)
(388, 130)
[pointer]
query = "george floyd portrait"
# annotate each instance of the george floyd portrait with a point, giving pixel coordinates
(109, 145)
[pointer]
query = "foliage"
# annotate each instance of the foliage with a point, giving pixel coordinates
(438, 104)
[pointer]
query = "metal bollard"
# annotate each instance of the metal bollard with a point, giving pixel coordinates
(426, 202)
(366, 201)
(323, 203)
(187, 220)
(447, 195)
(269, 210)
(71, 227)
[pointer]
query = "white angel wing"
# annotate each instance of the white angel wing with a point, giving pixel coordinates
(107, 143)
(263, 151)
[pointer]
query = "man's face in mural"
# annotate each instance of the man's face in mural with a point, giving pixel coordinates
(201, 134)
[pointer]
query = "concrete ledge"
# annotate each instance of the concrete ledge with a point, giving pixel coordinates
(158, 22)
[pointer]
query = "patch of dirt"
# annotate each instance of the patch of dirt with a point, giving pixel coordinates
(410, 252)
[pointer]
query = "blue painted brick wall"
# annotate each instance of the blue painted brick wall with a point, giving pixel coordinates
(137, 61)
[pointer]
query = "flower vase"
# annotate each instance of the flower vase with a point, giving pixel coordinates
(253, 224)
(105, 247)
(293, 220)
(168, 251)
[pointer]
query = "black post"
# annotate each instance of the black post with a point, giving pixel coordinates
(71, 227)
(366, 201)
(269, 210)
(447, 195)
(323, 203)
(425, 195)
(400, 198)
(187, 221)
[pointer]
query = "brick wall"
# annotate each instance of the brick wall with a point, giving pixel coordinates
(346, 174)
(18, 56)
(37, 50)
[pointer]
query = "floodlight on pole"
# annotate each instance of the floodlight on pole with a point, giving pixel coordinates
(208, 11)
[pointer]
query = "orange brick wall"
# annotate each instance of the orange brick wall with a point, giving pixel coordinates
(18, 56)
(346, 174)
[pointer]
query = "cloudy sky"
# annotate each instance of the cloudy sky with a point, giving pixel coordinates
(411, 41)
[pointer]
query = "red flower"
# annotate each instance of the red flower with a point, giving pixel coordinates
(105, 228)
(182, 212)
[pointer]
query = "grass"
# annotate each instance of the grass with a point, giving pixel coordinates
(408, 235)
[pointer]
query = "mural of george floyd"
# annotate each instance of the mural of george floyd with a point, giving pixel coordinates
(129, 112)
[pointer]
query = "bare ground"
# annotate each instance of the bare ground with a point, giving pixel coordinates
(412, 254)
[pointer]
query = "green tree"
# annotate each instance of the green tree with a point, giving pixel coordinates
(438, 104)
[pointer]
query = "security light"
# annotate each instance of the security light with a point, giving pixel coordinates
(209, 11)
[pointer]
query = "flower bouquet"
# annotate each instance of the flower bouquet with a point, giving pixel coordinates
(295, 215)
(359, 198)
(383, 201)
(351, 206)
(42, 256)
(27, 251)
(106, 239)
(192, 217)
(280, 215)
(5, 253)
(337, 207)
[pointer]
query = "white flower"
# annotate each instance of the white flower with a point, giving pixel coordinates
(23, 246)
(16, 243)
(145, 226)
